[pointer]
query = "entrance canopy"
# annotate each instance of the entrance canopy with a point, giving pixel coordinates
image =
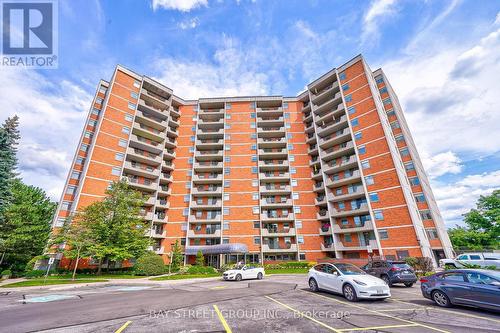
(217, 249)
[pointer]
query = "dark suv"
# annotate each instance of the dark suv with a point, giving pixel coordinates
(391, 272)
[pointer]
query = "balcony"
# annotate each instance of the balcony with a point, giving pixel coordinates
(174, 111)
(207, 179)
(207, 155)
(279, 248)
(269, 203)
(210, 123)
(271, 142)
(316, 174)
(164, 190)
(165, 177)
(173, 122)
(156, 233)
(210, 133)
(275, 189)
(145, 144)
(146, 215)
(207, 233)
(340, 229)
(206, 205)
(151, 108)
(162, 203)
(211, 111)
(169, 154)
(210, 144)
(147, 132)
(144, 185)
(273, 165)
(273, 152)
(363, 209)
(143, 156)
(342, 247)
(335, 139)
(358, 193)
(151, 120)
(344, 165)
(157, 99)
(328, 105)
(325, 92)
(319, 187)
(322, 215)
(270, 132)
(330, 153)
(275, 232)
(269, 112)
(270, 121)
(327, 247)
(335, 125)
(205, 219)
(276, 217)
(207, 192)
(274, 176)
(168, 165)
(208, 166)
(312, 149)
(139, 169)
(356, 176)
(320, 201)
(157, 249)
(325, 230)
(150, 201)
(170, 143)
(172, 131)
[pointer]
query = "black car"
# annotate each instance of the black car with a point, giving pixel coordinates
(391, 272)
(472, 287)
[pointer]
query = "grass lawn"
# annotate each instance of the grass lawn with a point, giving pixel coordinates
(93, 276)
(185, 276)
(40, 282)
(287, 271)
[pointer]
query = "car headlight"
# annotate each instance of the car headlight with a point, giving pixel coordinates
(361, 283)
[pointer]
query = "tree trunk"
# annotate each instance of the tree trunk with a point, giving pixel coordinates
(76, 265)
(1, 259)
(99, 268)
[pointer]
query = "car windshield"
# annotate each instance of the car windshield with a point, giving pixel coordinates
(401, 265)
(348, 269)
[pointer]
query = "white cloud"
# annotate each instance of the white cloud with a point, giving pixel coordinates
(189, 24)
(456, 199)
(442, 163)
(181, 5)
(497, 19)
(51, 116)
(376, 13)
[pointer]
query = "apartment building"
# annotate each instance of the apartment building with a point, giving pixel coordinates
(330, 173)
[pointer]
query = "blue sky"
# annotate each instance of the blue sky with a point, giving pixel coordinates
(442, 58)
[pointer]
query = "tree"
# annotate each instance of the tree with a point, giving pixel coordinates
(482, 228)
(200, 259)
(78, 240)
(26, 227)
(117, 231)
(176, 259)
(149, 264)
(9, 138)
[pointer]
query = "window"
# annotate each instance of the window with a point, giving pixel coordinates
(296, 210)
(255, 210)
(225, 240)
(227, 126)
(134, 95)
(409, 166)
(96, 111)
(289, 135)
(374, 197)
(402, 254)
(253, 115)
(255, 182)
(137, 84)
(185, 212)
(414, 181)
(378, 215)
(298, 224)
(395, 124)
(228, 106)
(432, 233)
(190, 160)
(88, 134)
(478, 278)
(228, 116)
(365, 164)
(355, 122)
(348, 238)
(351, 109)
(383, 90)
(92, 123)
(399, 138)
(116, 171)
(290, 146)
(125, 130)
(369, 180)
(342, 76)
(66, 205)
(227, 158)
(457, 277)
(285, 105)
(119, 156)
(227, 183)
(60, 222)
(227, 171)
(300, 239)
(226, 197)
(129, 117)
(225, 211)
(404, 152)
(295, 196)
(256, 225)
(131, 106)
(420, 197)
(293, 170)
(358, 135)
(254, 158)
(84, 147)
(71, 190)
(362, 149)
(227, 147)
(253, 147)
(348, 98)
(379, 79)
(345, 87)
(252, 125)
(256, 240)
(122, 143)
(253, 136)
(79, 160)
(387, 101)
(294, 182)
(382, 233)
(98, 100)
(426, 214)
(75, 175)
(255, 169)
(255, 196)
(391, 113)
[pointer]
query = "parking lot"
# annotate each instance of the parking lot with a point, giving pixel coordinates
(275, 304)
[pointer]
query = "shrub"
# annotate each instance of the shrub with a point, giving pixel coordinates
(149, 264)
(200, 259)
(34, 274)
(7, 273)
(421, 265)
(201, 270)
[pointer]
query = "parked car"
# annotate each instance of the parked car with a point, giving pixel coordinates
(243, 272)
(348, 280)
(472, 287)
(482, 259)
(391, 272)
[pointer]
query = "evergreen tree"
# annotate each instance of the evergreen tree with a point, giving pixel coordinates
(9, 138)
(176, 260)
(200, 259)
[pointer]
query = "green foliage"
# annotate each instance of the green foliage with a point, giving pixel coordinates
(176, 259)
(6, 272)
(200, 259)
(34, 274)
(9, 138)
(201, 270)
(290, 264)
(482, 229)
(421, 265)
(149, 264)
(26, 227)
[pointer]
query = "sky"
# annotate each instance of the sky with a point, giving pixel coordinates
(441, 57)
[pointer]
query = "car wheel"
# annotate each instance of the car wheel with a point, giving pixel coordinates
(409, 284)
(350, 293)
(386, 280)
(259, 276)
(238, 277)
(441, 299)
(313, 285)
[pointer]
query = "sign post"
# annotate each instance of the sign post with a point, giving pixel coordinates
(51, 261)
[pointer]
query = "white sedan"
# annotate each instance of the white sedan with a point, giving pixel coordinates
(348, 280)
(239, 273)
